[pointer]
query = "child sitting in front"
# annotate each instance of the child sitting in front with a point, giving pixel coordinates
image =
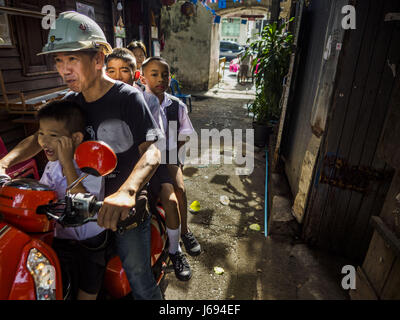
(156, 77)
(81, 250)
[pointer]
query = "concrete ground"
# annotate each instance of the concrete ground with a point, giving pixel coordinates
(255, 267)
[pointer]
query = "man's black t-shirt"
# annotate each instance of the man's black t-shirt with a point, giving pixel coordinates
(121, 118)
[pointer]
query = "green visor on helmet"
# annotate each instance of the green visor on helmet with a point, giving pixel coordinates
(75, 32)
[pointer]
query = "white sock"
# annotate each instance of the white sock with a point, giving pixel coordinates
(174, 236)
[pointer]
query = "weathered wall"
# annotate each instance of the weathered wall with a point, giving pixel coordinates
(298, 134)
(189, 43)
(214, 55)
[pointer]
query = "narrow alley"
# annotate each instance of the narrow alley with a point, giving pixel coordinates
(254, 267)
(292, 176)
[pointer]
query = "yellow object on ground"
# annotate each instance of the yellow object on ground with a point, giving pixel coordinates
(195, 206)
(219, 270)
(255, 227)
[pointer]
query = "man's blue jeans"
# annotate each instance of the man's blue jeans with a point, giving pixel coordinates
(133, 247)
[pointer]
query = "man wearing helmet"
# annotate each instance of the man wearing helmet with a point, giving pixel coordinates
(117, 114)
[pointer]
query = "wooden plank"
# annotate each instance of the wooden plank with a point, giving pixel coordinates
(364, 290)
(101, 8)
(391, 291)
(306, 88)
(349, 91)
(9, 52)
(17, 76)
(389, 237)
(7, 63)
(40, 84)
(388, 147)
(288, 85)
(13, 135)
(378, 262)
(343, 115)
(8, 125)
(26, 120)
(366, 136)
(382, 106)
(350, 84)
(388, 81)
(387, 214)
(345, 138)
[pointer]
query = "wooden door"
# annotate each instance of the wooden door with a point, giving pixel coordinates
(351, 179)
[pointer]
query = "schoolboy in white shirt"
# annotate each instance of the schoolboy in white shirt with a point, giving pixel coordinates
(156, 76)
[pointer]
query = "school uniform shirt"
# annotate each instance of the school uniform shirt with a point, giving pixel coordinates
(55, 179)
(160, 114)
(122, 119)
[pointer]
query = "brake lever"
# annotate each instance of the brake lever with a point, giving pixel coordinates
(122, 225)
(128, 223)
(4, 178)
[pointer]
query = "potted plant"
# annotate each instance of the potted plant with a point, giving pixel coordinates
(270, 66)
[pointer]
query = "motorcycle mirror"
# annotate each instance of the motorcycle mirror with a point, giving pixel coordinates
(95, 158)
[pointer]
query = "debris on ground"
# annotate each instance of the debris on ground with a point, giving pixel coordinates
(195, 206)
(224, 200)
(219, 270)
(255, 227)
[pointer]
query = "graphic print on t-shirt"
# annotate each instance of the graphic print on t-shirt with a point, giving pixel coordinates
(90, 131)
(116, 134)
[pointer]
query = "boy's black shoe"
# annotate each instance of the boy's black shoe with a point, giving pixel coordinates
(192, 246)
(181, 266)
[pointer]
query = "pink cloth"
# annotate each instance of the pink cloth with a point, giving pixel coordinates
(256, 71)
(234, 65)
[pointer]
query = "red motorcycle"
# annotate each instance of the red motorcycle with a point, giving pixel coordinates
(29, 267)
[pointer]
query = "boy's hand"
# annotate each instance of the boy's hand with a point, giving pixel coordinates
(65, 150)
(115, 207)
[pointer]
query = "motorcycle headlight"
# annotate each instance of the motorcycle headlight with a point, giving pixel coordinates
(43, 273)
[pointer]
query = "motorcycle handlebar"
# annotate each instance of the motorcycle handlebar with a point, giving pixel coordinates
(84, 210)
(4, 178)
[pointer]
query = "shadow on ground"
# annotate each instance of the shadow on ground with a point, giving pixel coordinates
(255, 267)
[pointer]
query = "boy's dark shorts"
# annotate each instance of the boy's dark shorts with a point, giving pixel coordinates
(159, 177)
(83, 263)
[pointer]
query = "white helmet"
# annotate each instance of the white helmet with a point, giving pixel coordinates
(75, 32)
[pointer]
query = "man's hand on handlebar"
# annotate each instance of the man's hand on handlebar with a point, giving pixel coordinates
(115, 207)
(2, 169)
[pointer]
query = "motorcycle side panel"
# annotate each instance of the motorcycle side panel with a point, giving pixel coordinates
(115, 280)
(12, 242)
(18, 206)
(46, 237)
(158, 236)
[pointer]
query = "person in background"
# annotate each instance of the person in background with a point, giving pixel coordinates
(245, 66)
(139, 50)
(121, 65)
